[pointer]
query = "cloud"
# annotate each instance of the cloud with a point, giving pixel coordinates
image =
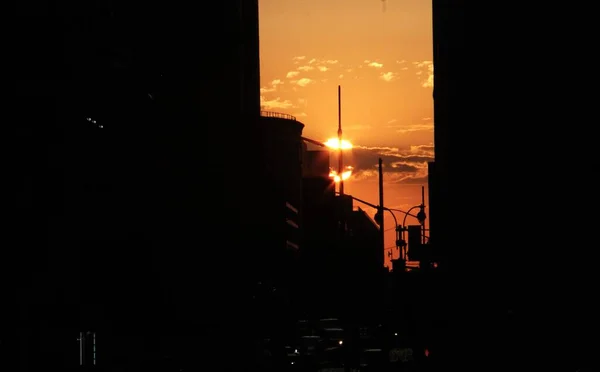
(303, 82)
(422, 149)
(272, 87)
(425, 125)
(298, 59)
(267, 89)
(300, 114)
(388, 76)
(414, 128)
(305, 73)
(406, 166)
(276, 103)
(425, 70)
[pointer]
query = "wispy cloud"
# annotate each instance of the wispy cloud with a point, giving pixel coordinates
(406, 166)
(297, 59)
(313, 70)
(303, 82)
(308, 67)
(425, 70)
(415, 128)
(375, 64)
(403, 128)
(388, 76)
(272, 87)
(276, 103)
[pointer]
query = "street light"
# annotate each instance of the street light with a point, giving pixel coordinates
(421, 215)
(379, 216)
(400, 238)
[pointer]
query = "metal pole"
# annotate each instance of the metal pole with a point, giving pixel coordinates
(80, 339)
(340, 159)
(94, 348)
(423, 208)
(381, 207)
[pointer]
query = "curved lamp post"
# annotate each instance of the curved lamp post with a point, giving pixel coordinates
(400, 229)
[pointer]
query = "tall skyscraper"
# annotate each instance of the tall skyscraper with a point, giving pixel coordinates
(123, 107)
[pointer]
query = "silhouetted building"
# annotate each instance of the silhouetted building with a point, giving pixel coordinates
(281, 162)
(448, 105)
(315, 163)
(366, 271)
(276, 222)
(340, 255)
(319, 241)
(133, 121)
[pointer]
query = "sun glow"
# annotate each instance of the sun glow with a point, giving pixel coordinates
(345, 174)
(334, 143)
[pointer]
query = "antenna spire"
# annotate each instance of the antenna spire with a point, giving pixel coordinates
(340, 159)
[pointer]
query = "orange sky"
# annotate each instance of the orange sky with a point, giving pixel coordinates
(380, 52)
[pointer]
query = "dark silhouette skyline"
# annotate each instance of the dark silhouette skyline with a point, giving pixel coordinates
(123, 237)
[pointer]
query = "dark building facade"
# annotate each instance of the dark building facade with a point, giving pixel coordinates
(341, 260)
(276, 219)
(124, 113)
(450, 107)
(365, 270)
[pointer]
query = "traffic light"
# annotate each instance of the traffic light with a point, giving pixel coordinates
(378, 217)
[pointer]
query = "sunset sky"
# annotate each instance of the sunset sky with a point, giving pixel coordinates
(380, 52)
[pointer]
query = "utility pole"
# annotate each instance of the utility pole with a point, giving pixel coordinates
(381, 228)
(422, 221)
